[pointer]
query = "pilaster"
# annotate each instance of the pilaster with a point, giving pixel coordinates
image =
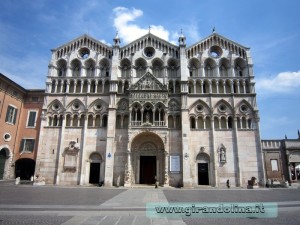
(60, 150)
(110, 143)
(81, 169)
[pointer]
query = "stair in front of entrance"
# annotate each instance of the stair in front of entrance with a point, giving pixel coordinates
(148, 186)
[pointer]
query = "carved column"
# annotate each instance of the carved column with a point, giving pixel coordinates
(75, 86)
(81, 85)
(231, 86)
(166, 178)
(201, 86)
(61, 86)
(153, 116)
(89, 86)
(210, 88)
(128, 168)
(174, 86)
(142, 116)
(123, 87)
(238, 86)
(244, 86)
(55, 87)
(96, 86)
(103, 83)
(68, 86)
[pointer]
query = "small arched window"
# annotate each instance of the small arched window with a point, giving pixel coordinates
(192, 123)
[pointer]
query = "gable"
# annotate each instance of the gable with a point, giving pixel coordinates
(148, 83)
(83, 41)
(214, 40)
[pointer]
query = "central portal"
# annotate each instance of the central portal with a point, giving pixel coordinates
(147, 169)
(148, 159)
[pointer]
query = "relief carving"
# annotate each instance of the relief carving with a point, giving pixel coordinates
(70, 158)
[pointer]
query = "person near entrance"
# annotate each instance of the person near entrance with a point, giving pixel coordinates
(228, 183)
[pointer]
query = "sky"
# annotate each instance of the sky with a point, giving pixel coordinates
(29, 29)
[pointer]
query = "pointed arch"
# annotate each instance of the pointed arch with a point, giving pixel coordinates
(194, 67)
(204, 104)
(238, 109)
(228, 110)
(157, 67)
(90, 67)
(97, 105)
(75, 105)
(104, 65)
(55, 105)
(140, 66)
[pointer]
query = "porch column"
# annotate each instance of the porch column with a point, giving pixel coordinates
(166, 178)
(128, 170)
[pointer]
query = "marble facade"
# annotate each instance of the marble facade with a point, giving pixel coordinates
(150, 110)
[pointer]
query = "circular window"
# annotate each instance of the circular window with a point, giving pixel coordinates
(76, 106)
(215, 51)
(98, 107)
(199, 108)
(222, 108)
(244, 108)
(149, 52)
(55, 106)
(6, 137)
(84, 53)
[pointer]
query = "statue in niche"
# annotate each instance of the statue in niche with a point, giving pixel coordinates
(173, 106)
(147, 117)
(222, 155)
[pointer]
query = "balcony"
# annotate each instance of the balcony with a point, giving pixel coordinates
(139, 124)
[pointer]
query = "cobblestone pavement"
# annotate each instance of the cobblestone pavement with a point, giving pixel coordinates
(91, 205)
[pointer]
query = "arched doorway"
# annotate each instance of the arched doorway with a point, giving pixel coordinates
(24, 168)
(3, 157)
(203, 168)
(95, 163)
(148, 159)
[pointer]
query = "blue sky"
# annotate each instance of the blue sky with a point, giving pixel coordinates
(30, 28)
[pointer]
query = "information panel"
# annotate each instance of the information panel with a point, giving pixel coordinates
(175, 163)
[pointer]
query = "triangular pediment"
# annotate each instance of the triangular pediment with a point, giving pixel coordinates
(148, 82)
(81, 42)
(215, 39)
(150, 39)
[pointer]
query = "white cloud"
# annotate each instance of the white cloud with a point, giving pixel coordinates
(284, 82)
(128, 31)
(105, 42)
(29, 71)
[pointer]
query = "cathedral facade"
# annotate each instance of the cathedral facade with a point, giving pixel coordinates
(150, 111)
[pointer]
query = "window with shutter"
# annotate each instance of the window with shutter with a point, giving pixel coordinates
(11, 115)
(31, 119)
(27, 145)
